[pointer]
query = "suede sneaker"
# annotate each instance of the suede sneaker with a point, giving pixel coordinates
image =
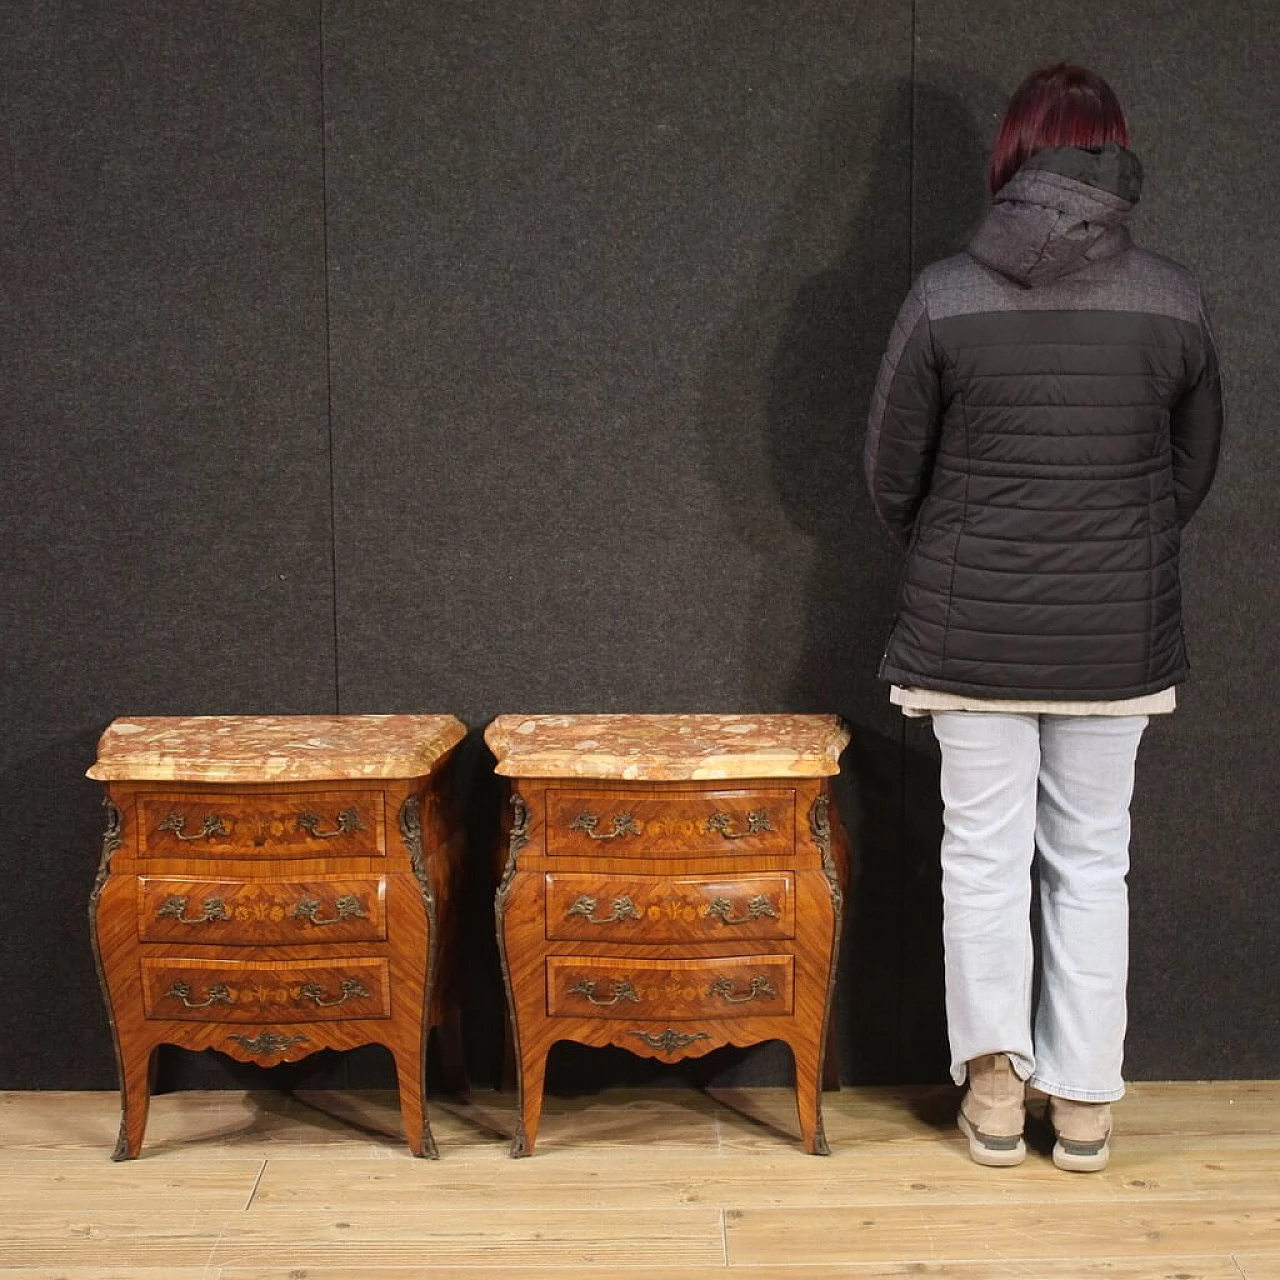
(993, 1111)
(1081, 1130)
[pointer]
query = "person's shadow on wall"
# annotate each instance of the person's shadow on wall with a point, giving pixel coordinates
(814, 348)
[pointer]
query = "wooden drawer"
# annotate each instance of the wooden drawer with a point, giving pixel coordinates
(620, 824)
(311, 824)
(661, 909)
(256, 912)
(245, 991)
(670, 990)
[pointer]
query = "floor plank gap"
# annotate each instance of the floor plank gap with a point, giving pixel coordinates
(257, 1182)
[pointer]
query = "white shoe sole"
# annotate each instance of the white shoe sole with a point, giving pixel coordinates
(982, 1154)
(1072, 1163)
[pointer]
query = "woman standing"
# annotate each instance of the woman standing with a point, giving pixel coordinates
(1046, 420)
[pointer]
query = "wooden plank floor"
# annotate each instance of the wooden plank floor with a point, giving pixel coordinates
(669, 1184)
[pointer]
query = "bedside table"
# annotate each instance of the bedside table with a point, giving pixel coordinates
(672, 884)
(274, 885)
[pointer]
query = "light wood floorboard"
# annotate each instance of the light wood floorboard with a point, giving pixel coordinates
(1259, 1266)
(979, 1231)
(672, 1184)
(1151, 1268)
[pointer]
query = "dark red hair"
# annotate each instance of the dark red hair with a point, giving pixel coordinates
(1057, 106)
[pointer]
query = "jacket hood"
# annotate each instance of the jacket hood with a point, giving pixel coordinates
(1063, 210)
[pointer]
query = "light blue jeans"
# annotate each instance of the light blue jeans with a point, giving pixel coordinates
(1042, 795)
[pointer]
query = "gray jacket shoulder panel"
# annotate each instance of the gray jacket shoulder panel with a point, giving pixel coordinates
(1135, 280)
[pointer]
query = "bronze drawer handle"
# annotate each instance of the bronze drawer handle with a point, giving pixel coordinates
(348, 907)
(268, 1042)
(211, 909)
(722, 909)
(585, 906)
(348, 820)
(218, 994)
(757, 821)
(622, 990)
(214, 825)
(670, 1040)
(352, 989)
(624, 824)
(723, 987)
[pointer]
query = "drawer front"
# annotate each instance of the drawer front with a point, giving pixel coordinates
(257, 912)
(317, 824)
(661, 909)
(244, 991)
(618, 824)
(728, 987)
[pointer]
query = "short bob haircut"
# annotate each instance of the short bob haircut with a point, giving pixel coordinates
(1057, 106)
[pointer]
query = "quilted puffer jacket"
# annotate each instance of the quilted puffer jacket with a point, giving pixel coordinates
(1046, 420)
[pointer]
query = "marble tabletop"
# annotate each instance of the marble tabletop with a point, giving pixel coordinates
(272, 748)
(663, 748)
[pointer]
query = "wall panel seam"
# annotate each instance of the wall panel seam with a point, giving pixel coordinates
(328, 355)
(905, 886)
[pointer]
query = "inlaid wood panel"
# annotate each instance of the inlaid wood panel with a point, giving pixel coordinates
(670, 990)
(654, 909)
(672, 824)
(257, 912)
(280, 912)
(642, 941)
(248, 991)
(221, 824)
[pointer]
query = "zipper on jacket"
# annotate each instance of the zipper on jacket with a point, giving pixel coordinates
(884, 657)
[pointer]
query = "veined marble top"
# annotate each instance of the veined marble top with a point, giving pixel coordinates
(663, 748)
(271, 748)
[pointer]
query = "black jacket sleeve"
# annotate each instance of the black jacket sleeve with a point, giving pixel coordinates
(903, 429)
(1195, 424)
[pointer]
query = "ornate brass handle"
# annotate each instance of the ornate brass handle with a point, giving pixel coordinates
(670, 1040)
(585, 906)
(352, 989)
(213, 826)
(757, 821)
(347, 820)
(268, 1042)
(624, 824)
(218, 994)
(622, 990)
(348, 908)
(211, 909)
(722, 909)
(723, 987)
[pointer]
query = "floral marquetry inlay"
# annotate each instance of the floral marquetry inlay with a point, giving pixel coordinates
(272, 886)
(676, 889)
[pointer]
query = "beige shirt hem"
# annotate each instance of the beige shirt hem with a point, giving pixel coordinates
(923, 702)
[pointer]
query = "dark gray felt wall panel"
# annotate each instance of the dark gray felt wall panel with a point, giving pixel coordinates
(589, 299)
(604, 283)
(166, 471)
(608, 288)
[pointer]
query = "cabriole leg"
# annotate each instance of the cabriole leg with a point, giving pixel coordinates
(411, 1078)
(135, 1099)
(809, 1098)
(533, 1073)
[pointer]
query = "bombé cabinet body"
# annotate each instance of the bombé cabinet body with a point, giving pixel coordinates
(671, 885)
(271, 886)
